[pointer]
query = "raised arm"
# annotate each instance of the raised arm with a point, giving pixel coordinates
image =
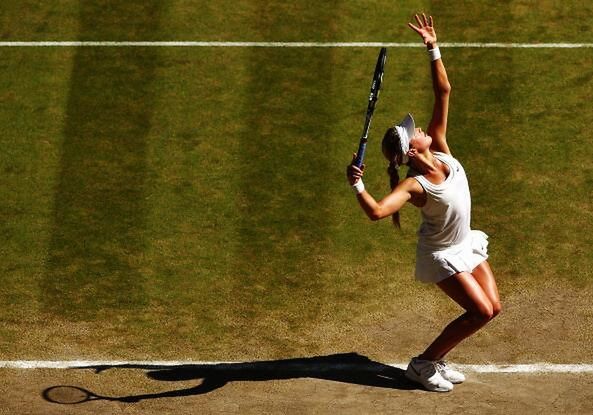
(437, 128)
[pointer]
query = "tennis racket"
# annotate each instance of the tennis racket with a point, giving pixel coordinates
(374, 95)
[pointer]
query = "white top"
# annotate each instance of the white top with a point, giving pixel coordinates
(447, 213)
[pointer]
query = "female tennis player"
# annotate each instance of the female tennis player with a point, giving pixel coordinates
(449, 253)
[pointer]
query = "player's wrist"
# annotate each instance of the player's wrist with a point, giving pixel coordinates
(358, 187)
(434, 53)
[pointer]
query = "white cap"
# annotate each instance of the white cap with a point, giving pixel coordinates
(406, 130)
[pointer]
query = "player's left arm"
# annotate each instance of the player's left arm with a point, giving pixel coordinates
(437, 128)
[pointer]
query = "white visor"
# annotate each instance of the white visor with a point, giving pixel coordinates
(406, 130)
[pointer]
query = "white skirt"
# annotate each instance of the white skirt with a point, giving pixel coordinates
(436, 265)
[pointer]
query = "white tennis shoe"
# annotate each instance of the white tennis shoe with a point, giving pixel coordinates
(448, 373)
(427, 373)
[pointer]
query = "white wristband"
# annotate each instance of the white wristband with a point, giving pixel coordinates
(434, 54)
(358, 187)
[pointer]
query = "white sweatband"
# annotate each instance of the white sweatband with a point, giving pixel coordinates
(358, 187)
(434, 54)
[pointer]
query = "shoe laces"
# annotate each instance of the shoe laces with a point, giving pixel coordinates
(429, 370)
(441, 365)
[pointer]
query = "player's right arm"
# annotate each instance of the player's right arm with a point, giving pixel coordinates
(391, 203)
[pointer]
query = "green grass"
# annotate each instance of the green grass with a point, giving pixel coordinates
(352, 20)
(177, 203)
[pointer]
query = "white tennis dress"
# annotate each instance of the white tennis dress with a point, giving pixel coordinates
(446, 243)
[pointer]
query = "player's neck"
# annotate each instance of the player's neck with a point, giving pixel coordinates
(426, 163)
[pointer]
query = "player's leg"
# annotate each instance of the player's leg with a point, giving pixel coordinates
(465, 290)
(484, 276)
(428, 368)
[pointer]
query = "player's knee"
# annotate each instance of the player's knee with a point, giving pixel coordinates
(496, 308)
(483, 313)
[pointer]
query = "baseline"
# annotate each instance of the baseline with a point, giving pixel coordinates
(486, 368)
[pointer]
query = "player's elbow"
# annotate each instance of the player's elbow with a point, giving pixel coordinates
(375, 214)
(378, 214)
(375, 217)
(444, 89)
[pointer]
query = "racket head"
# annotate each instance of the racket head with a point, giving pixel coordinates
(67, 395)
(373, 96)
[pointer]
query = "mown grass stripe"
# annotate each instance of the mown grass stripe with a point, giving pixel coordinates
(91, 43)
(281, 221)
(155, 364)
(98, 236)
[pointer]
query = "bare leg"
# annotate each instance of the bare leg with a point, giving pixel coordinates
(483, 275)
(465, 290)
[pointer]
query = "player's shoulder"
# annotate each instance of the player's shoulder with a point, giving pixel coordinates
(410, 184)
(447, 157)
(446, 154)
(413, 187)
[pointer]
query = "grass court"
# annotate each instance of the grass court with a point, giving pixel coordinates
(162, 203)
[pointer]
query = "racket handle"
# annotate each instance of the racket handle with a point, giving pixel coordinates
(360, 153)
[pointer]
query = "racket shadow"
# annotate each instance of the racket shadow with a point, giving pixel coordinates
(350, 368)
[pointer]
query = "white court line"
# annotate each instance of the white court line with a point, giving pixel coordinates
(287, 44)
(489, 368)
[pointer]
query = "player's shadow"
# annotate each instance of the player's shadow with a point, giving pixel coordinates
(349, 368)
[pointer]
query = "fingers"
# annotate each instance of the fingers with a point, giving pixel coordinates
(416, 29)
(418, 20)
(356, 172)
(353, 172)
(422, 23)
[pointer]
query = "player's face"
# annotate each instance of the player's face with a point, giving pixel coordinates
(421, 140)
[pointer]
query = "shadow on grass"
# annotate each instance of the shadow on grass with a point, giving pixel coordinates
(349, 368)
(98, 233)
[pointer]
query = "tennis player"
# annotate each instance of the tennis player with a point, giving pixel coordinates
(449, 254)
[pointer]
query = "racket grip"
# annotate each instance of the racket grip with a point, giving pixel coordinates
(360, 154)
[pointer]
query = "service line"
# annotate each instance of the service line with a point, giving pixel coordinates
(215, 44)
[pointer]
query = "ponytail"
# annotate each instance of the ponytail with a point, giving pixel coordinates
(393, 171)
(391, 147)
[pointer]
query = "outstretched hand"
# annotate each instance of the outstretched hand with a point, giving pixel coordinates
(425, 29)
